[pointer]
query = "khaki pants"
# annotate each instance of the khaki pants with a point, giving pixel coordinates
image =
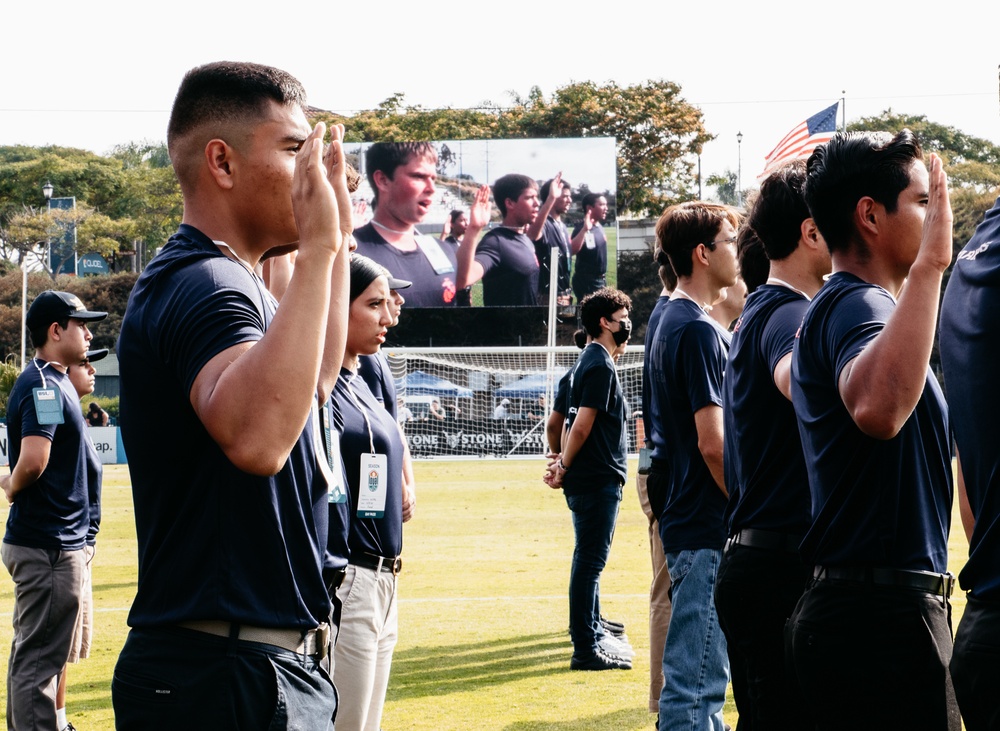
(659, 599)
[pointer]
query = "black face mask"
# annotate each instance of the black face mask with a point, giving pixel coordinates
(624, 331)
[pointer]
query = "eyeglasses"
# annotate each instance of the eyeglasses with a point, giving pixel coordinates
(712, 244)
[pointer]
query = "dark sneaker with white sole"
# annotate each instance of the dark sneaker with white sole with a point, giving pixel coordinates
(600, 661)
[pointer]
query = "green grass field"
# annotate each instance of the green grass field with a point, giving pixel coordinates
(482, 614)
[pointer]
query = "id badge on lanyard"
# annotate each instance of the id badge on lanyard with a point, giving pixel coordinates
(48, 401)
(439, 261)
(328, 453)
(372, 487)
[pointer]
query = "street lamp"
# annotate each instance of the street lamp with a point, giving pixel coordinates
(739, 169)
(47, 190)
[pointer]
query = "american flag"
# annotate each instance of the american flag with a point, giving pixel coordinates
(802, 140)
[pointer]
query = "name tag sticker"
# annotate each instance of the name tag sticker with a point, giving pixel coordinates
(372, 487)
(48, 405)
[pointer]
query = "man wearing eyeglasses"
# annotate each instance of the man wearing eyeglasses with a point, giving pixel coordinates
(686, 361)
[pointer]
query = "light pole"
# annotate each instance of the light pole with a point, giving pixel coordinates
(47, 191)
(739, 168)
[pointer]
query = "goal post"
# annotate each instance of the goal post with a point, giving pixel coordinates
(492, 402)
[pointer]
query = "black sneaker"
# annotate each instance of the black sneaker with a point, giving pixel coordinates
(600, 661)
(612, 627)
(69, 727)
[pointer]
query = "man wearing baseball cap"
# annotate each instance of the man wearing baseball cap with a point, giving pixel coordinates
(49, 519)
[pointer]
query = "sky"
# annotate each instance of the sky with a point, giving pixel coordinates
(93, 75)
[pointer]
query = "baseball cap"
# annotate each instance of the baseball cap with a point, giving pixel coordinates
(398, 283)
(51, 306)
(95, 355)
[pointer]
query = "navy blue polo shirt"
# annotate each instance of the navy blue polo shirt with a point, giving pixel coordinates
(970, 325)
(591, 260)
(654, 320)
(214, 542)
(52, 513)
(875, 502)
(430, 288)
(555, 235)
(355, 410)
(510, 268)
(686, 363)
(765, 470)
(375, 371)
(594, 384)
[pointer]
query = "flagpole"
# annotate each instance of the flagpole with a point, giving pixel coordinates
(843, 109)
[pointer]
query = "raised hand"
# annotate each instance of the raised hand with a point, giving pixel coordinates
(314, 200)
(936, 241)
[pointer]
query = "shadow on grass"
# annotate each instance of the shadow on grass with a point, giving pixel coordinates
(429, 671)
(626, 718)
(111, 587)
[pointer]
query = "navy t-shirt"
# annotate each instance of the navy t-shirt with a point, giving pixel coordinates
(95, 474)
(510, 268)
(355, 409)
(594, 383)
(592, 258)
(686, 363)
(765, 470)
(970, 346)
(555, 235)
(654, 320)
(53, 512)
(875, 502)
(430, 288)
(214, 542)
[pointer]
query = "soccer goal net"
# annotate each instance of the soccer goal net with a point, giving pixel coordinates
(491, 402)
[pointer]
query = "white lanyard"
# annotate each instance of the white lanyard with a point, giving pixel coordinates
(361, 408)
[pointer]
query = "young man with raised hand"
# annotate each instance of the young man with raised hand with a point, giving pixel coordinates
(761, 576)
(686, 362)
(229, 623)
(505, 258)
(549, 232)
(870, 639)
(591, 469)
(590, 247)
(402, 175)
(969, 329)
(50, 513)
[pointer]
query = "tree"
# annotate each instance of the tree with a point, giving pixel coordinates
(657, 132)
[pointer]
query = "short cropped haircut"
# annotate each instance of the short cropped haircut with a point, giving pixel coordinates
(778, 210)
(605, 302)
(387, 156)
(224, 98)
(590, 200)
(683, 226)
(40, 335)
(851, 166)
(456, 214)
(665, 270)
(543, 192)
(510, 187)
(364, 271)
(755, 266)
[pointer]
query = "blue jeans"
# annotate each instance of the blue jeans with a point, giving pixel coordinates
(695, 664)
(594, 517)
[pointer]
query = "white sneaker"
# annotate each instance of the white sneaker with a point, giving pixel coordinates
(614, 646)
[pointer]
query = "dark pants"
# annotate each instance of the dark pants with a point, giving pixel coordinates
(872, 657)
(582, 286)
(173, 678)
(594, 517)
(755, 594)
(975, 665)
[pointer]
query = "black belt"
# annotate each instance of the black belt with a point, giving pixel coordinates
(926, 581)
(767, 539)
(314, 643)
(378, 563)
